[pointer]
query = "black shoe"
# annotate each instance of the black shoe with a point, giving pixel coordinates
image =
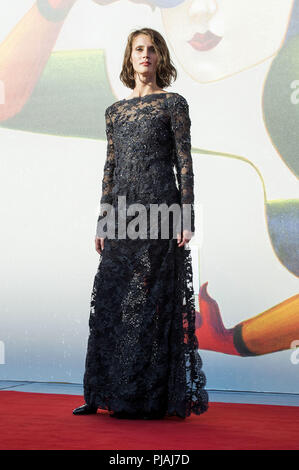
(85, 410)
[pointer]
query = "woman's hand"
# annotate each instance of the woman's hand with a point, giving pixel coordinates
(99, 245)
(182, 240)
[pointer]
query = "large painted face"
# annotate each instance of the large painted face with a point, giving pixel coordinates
(213, 39)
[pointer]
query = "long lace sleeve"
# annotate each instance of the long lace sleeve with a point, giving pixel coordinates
(108, 181)
(181, 124)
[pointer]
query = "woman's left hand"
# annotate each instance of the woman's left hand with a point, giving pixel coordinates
(182, 240)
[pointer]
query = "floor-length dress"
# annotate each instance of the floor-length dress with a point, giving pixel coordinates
(142, 352)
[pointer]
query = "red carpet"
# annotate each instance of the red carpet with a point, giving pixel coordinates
(45, 421)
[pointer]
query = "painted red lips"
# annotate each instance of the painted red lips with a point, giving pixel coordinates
(204, 42)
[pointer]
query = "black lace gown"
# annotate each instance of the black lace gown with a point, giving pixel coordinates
(142, 353)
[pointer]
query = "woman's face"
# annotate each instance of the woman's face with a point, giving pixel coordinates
(217, 38)
(143, 50)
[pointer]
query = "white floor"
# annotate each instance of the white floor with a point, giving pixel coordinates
(225, 396)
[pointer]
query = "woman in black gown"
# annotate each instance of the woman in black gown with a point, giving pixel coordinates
(142, 356)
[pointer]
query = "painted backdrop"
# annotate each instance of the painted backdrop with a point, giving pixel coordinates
(238, 68)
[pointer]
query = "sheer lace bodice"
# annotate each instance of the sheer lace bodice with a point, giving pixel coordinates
(156, 127)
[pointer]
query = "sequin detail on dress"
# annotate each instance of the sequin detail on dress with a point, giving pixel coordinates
(142, 353)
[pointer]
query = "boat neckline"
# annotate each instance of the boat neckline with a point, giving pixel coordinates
(148, 95)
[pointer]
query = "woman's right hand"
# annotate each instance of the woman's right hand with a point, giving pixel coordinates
(99, 244)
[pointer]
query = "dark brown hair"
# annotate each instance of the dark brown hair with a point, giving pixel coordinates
(165, 72)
